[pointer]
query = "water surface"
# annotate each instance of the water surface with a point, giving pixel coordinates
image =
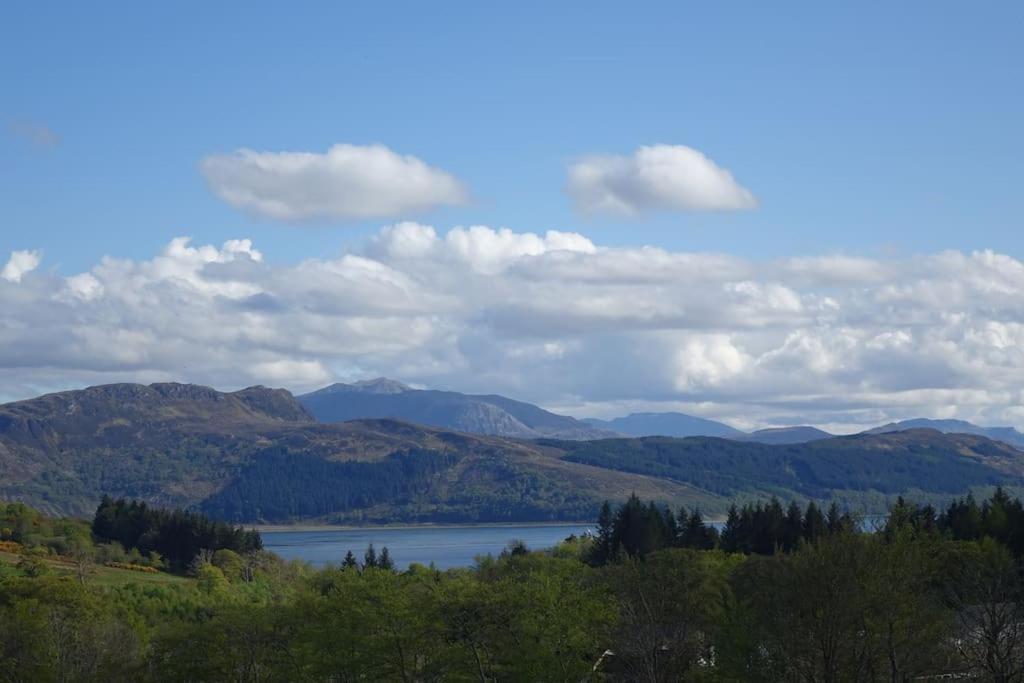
(444, 546)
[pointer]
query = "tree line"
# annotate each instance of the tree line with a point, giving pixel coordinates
(927, 595)
(636, 529)
(179, 536)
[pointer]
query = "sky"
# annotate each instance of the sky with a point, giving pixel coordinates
(765, 213)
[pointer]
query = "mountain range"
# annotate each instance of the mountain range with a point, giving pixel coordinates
(260, 455)
(1007, 435)
(665, 424)
(501, 416)
(477, 414)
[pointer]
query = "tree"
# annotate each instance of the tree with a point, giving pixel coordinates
(698, 535)
(230, 563)
(984, 588)
(669, 605)
(210, 579)
(82, 555)
(350, 561)
(369, 557)
(802, 616)
(385, 561)
(731, 533)
(814, 524)
(906, 616)
(604, 548)
(792, 527)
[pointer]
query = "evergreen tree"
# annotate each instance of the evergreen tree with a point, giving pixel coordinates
(369, 557)
(834, 520)
(697, 534)
(682, 522)
(671, 534)
(792, 527)
(731, 541)
(350, 561)
(814, 525)
(385, 561)
(604, 549)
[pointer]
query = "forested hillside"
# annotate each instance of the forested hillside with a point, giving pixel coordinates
(258, 456)
(884, 464)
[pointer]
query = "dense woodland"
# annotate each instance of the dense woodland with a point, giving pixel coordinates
(178, 536)
(783, 593)
(814, 469)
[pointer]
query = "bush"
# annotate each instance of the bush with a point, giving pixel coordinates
(10, 547)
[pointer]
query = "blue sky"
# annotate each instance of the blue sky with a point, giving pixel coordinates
(866, 128)
(868, 263)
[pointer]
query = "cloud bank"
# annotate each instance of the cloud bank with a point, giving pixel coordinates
(553, 318)
(655, 178)
(348, 182)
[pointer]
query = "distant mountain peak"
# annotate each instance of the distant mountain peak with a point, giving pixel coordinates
(666, 424)
(480, 414)
(378, 385)
(1007, 435)
(381, 385)
(787, 435)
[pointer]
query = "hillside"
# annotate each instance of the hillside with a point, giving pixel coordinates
(258, 455)
(477, 414)
(1007, 435)
(865, 468)
(665, 424)
(785, 435)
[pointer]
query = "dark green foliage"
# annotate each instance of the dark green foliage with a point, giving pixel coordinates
(384, 561)
(370, 557)
(178, 535)
(999, 518)
(839, 603)
(765, 529)
(637, 529)
(350, 561)
(889, 464)
(280, 485)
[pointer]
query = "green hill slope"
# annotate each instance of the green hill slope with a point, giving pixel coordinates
(257, 456)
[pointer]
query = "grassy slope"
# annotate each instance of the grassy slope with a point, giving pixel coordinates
(104, 576)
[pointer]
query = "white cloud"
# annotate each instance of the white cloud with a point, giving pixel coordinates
(346, 182)
(490, 251)
(548, 317)
(655, 178)
(20, 264)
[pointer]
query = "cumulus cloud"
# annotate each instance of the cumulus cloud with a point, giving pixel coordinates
(549, 317)
(655, 178)
(346, 182)
(20, 264)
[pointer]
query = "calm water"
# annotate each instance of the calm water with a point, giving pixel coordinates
(444, 546)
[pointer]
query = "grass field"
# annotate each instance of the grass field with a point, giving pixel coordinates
(110, 576)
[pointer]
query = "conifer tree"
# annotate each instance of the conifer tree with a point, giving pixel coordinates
(385, 561)
(814, 525)
(604, 549)
(731, 531)
(369, 557)
(350, 561)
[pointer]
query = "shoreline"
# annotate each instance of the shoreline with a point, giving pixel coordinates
(300, 527)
